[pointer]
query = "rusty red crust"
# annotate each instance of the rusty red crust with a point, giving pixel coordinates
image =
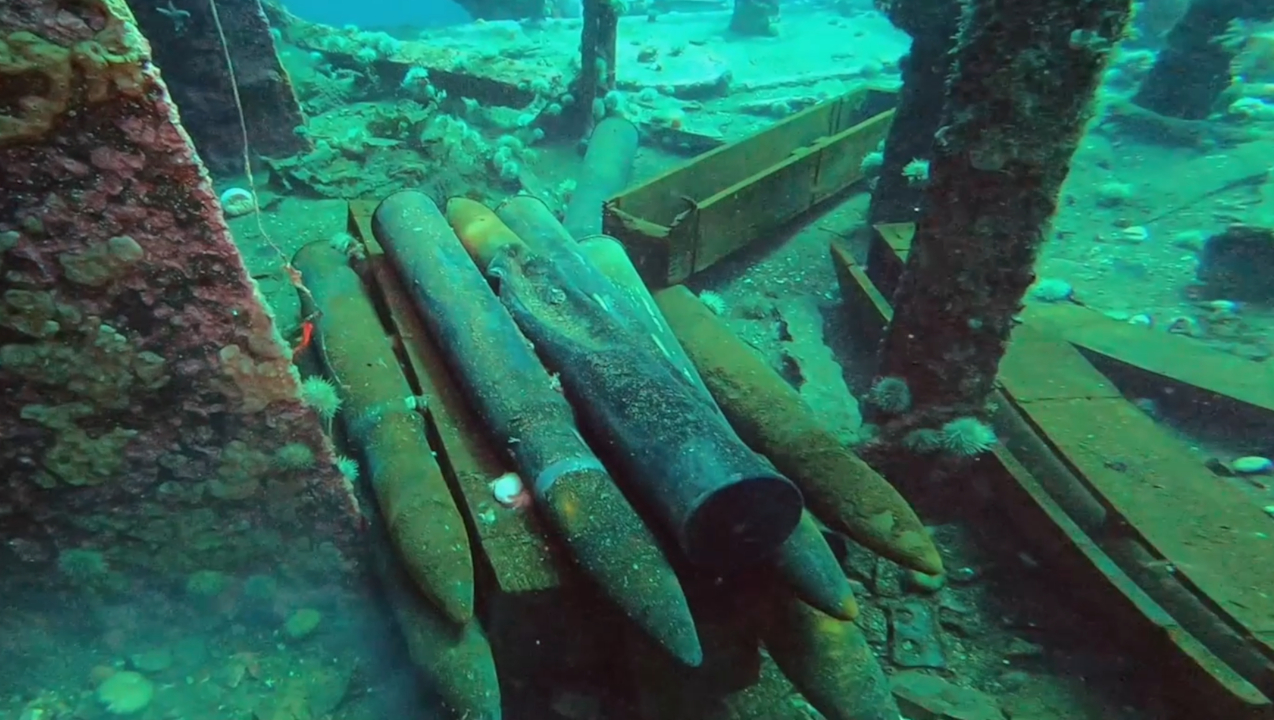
(134, 349)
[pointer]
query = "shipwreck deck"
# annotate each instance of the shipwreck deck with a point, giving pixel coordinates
(1179, 562)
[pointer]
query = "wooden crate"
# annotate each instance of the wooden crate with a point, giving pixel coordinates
(689, 218)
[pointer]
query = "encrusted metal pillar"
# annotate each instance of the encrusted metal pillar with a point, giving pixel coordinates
(1193, 69)
(1023, 80)
(755, 17)
(924, 76)
(597, 61)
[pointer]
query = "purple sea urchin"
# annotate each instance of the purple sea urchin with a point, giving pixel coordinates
(967, 437)
(890, 395)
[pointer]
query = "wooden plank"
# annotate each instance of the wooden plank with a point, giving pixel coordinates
(1101, 582)
(841, 155)
(1218, 540)
(1042, 366)
(869, 310)
(736, 216)
(887, 255)
(897, 236)
(1172, 358)
(358, 221)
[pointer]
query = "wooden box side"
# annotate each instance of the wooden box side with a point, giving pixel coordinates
(661, 199)
(649, 245)
(775, 196)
